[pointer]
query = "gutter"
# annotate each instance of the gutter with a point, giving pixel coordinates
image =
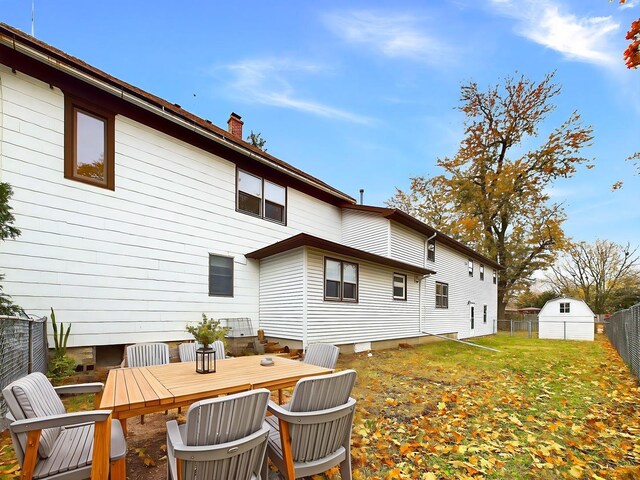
(160, 111)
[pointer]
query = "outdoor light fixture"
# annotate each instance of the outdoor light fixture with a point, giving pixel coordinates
(205, 360)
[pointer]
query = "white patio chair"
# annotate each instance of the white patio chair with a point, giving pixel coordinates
(312, 433)
(64, 441)
(187, 351)
(146, 355)
(322, 355)
(223, 438)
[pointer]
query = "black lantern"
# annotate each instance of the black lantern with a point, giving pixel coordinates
(205, 360)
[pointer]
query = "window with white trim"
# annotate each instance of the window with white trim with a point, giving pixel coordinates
(261, 198)
(470, 264)
(484, 314)
(565, 307)
(495, 277)
(340, 280)
(399, 286)
(481, 272)
(442, 295)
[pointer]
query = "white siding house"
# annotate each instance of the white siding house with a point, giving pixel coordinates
(173, 216)
(566, 319)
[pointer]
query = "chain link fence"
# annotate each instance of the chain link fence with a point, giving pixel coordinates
(23, 349)
(623, 330)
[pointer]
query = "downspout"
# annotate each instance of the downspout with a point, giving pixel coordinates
(305, 340)
(421, 286)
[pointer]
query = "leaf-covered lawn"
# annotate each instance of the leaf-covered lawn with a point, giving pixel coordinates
(539, 409)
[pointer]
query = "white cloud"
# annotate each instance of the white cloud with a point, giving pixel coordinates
(394, 36)
(268, 82)
(629, 4)
(584, 39)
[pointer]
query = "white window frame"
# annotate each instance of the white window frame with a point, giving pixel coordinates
(403, 278)
(565, 307)
(470, 267)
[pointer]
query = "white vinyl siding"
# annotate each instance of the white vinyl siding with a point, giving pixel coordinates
(376, 316)
(452, 268)
(281, 294)
(407, 245)
(365, 231)
(129, 265)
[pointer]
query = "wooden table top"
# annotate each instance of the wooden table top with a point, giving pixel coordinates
(132, 391)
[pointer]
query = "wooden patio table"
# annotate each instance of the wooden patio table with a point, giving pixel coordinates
(130, 392)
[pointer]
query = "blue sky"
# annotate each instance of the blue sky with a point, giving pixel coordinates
(363, 94)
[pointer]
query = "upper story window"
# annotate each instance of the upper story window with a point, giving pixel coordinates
(495, 277)
(565, 307)
(399, 286)
(220, 276)
(431, 250)
(481, 272)
(442, 295)
(260, 197)
(484, 314)
(89, 143)
(340, 280)
(470, 268)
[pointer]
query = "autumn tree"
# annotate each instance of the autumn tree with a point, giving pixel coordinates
(7, 230)
(529, 298)
(492, 195)
(605, 274)
(632, 53)
(256, 140)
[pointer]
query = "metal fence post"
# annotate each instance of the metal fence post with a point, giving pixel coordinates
(30, 347)
(511, 321)
(564, 324)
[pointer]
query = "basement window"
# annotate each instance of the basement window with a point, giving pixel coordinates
(89, 143)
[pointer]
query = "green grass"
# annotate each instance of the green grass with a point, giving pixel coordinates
(537, 409)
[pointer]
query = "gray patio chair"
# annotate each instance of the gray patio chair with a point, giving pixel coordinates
(187, 351)
(146, 355)
(312, 433)
(322, 355)
(65, 444)
(223, 438)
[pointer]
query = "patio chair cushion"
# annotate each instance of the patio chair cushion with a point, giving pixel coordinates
(74, 447)
(37, 398)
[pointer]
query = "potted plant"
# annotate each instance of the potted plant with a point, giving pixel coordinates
(205, 333)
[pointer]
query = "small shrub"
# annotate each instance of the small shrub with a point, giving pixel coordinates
(61, 367)
(207, 331)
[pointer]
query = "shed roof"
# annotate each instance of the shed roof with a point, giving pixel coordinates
(306, 240)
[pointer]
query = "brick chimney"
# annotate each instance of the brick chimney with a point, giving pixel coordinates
(235, 125)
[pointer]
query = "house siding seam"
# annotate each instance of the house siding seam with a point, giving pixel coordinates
(406, 245)
(365, 231)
